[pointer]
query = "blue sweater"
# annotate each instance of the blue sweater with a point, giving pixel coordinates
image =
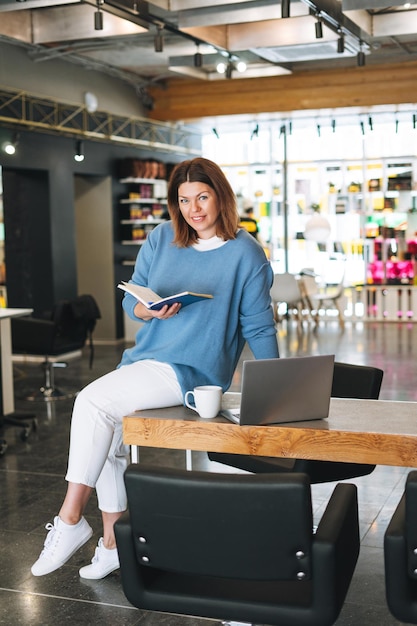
(204, 341)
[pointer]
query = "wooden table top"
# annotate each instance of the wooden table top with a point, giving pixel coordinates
(381, 432)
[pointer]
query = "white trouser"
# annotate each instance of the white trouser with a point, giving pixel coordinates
(97, 455)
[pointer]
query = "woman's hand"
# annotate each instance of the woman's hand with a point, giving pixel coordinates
(163, 314)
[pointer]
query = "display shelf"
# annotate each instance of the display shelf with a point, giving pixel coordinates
(140, 210)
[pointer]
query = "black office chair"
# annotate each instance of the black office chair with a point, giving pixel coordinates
(400, 553)
(67, 328)
(236, 547)
(349, 381)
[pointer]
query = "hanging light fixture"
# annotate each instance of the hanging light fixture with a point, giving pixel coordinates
(361, 56)
(317, 228)
(9, 146)
(158, 41)
(98, 16)
(341, 42)
(285, 9)
(198, 58)
(319, 27)
(79, 151)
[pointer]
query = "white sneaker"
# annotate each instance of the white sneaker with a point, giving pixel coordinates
(62, 541)
(104, 562)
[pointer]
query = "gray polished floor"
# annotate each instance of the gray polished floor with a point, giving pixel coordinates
(32, 487)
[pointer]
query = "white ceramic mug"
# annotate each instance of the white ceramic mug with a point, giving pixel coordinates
(207, 400)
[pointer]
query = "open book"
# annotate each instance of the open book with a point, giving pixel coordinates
(152, 301)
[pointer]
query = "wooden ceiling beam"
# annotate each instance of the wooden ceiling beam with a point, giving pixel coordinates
(188, 99)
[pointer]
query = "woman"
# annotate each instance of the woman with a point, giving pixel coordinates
(201, 249)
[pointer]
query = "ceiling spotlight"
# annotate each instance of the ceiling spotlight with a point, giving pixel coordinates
(9, 146)
(285, 8)
(318, 130)
(79, 151)
(370, 123)
(362, 125)
(319, 28)
(215, 133)
(334, 126)
(361, 57)
(341, 44)
(255, 132)
(98, 16)
(221, 67)
(241, 66)
(414, 121)
(158, 41)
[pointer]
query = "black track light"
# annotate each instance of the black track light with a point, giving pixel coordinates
(158, 41)
(285, 8)
(255, 132)
(341, 44)
(98, 16)
(370, 123)
(79, 151)
(319, 28)
(361, 57)
(414, 121)
(215, 133)
(229, 69)
(10, 146)
(334, 126)
(362, 128)
(198, 59)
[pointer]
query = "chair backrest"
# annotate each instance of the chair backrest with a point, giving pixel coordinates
(285, 288)
(238, 526)
(356, 381)
(76, 320)
(308, 285)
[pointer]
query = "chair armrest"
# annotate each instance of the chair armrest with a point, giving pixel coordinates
(129, 566)
(336, 543)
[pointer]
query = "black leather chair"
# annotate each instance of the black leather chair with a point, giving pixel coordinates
(400, 553)
(52, 335)
(349, 381)
(236, 547)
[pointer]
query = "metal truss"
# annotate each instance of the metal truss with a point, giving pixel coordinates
(20, 109)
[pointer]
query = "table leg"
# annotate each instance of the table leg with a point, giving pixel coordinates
(6, 366)
(188, 460)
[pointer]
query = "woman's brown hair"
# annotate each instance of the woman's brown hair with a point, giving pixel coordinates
(201, 170)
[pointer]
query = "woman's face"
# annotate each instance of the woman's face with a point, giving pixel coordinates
(198, 206)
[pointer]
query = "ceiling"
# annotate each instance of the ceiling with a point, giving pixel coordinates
(254, 31)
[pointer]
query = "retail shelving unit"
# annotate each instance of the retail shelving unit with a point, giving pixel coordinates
(139, 212)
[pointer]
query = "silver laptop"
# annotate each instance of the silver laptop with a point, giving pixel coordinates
(293, 389)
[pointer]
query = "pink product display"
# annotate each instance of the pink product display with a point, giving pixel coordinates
(394, 272)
